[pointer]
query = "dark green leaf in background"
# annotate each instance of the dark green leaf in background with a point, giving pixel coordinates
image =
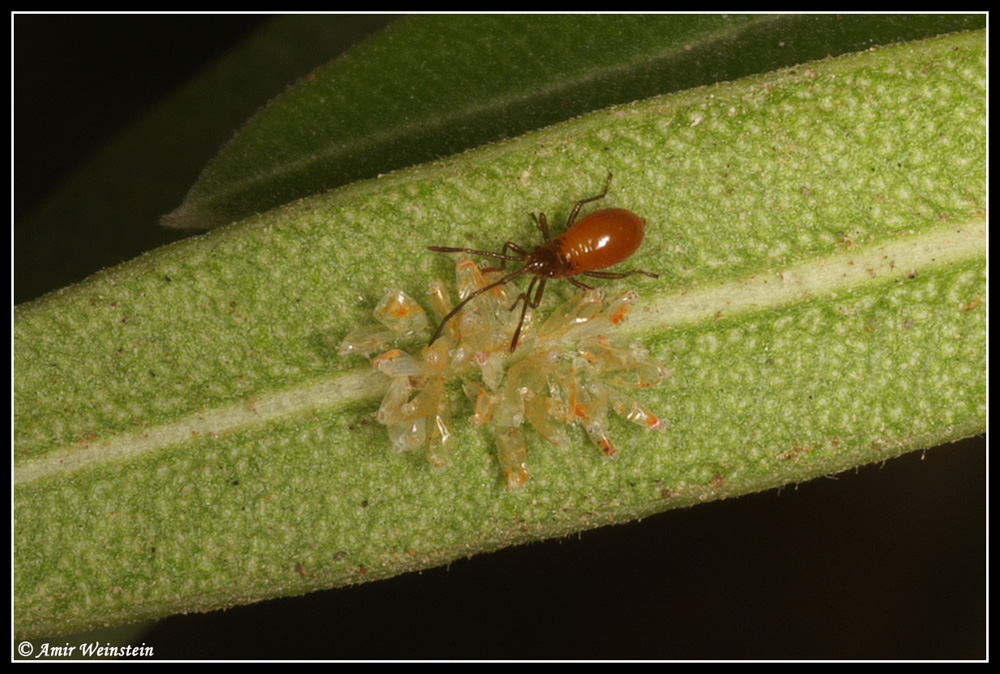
(433, 86)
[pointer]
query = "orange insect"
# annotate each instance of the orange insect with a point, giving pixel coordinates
(601, 239)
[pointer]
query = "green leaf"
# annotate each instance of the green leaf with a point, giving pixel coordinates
(479, 79)
(186, 437)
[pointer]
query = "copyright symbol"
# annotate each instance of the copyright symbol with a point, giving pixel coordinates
(24, 649)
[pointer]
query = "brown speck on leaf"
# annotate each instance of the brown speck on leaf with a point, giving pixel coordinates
(972, 305)
(793, 452)
(87, 439)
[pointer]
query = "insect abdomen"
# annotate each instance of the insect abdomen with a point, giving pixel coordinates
(601, 239)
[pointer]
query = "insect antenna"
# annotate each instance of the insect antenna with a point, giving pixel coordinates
(488, 253)
(506, 279)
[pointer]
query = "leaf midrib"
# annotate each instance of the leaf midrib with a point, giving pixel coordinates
(765, 291)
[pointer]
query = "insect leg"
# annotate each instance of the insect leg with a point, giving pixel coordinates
(542, 223)
(582, 286)
(506, 279)
(576, 208)
(516, 248)
(525, 297)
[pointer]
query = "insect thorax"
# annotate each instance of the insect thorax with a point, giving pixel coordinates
(546, 261)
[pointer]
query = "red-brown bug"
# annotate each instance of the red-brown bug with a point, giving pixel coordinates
(601, 239)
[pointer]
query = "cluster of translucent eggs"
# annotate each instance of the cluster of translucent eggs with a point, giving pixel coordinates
(565, 371)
